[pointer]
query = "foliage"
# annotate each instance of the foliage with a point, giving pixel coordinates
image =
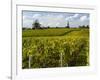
(36, 25)
(70, 49)
(84, 26)
(46, 32)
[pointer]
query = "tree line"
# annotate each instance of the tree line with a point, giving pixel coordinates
(36, 25)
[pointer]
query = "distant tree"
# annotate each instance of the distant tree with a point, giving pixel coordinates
(87, 26)
(36, 25)
(48, 26)
(56, 26)
(23, 28)
(68, 25)
(84, 26)
(80, 26)
(26, 28)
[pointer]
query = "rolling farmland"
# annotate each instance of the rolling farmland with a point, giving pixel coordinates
(55, 47)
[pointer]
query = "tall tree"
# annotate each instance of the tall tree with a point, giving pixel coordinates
(36, 25)
(87, 26)
(68, 25)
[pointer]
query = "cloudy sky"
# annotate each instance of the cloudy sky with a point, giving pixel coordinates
(54, 19)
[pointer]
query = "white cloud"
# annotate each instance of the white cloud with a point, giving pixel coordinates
(75, 15)
(59, 16)
(57, 24)
(72, 17)
(36, 16)
(55, 19)
(69, 18)
(52, 20)
(83, 18)
(25, 17)
(27, 23)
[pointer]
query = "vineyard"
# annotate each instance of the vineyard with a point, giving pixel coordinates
(47, 48)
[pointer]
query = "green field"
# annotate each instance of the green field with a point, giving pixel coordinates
(55, 47)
